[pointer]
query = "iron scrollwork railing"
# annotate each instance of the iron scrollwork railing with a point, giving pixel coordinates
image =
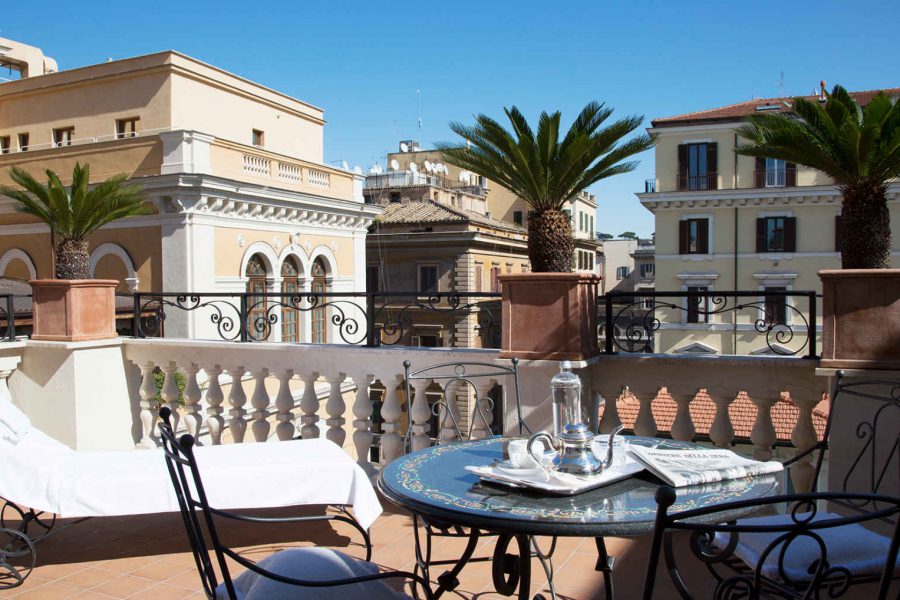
(785, 319)
(362, 318)
(7, 318)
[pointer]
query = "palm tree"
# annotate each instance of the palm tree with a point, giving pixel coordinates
(546, 172)
(858, 147)
(74, 212)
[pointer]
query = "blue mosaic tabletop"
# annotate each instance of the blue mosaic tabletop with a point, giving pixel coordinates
(434, 483)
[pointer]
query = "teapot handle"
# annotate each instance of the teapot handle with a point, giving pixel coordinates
(539, 458)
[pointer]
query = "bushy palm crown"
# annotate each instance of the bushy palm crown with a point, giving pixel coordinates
(540, 168)
(851, 144)
(74, 212)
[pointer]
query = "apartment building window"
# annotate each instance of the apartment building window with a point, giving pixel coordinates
(63, 136)
(508, 268)
(4, 144)
(319, 315)
(591, 228)
(257, 286)
(517, 217)
(395, 197)
(693, 236)
(126, 128)
(428, 278)
(621, 272)
(776, 234)
(773, 172)
(372, 278)
(697, 305)
(571, 218)
(479, 277)
(776, 307)
(495, 278)
(23, 142)
(259, 138)
(646, 270)
(697, 166)
(427, 341)
(290, 287)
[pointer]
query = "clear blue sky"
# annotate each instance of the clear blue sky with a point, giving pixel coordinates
(363, 61)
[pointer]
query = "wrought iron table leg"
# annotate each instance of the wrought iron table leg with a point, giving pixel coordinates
(511, 571)
(422, 559)
(605, 565)
(448, 580)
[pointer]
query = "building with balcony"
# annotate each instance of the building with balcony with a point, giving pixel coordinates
(726, 222)
(234, 171)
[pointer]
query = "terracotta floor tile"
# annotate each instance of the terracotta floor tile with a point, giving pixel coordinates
(88, 578)
(50, 591)
(162, 571)
(123, 586)
(187, 580)
(161, 592)
(91, 595)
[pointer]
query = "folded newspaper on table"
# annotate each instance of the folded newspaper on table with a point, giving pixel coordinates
(691, 467)
(554, 482)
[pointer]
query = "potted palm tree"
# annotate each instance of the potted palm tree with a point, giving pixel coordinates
(73, 307)
(549, 313)
(859, 147)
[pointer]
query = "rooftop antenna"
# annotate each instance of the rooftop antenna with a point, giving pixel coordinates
(395, 165)
(419, 110)
(781, 85)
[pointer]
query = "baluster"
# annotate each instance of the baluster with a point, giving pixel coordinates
(237, 399)
(804, 437)
(335, 408)
(390, 412)
(645, 424)
(309, 405)
(148, 406)
(284, 402)
(192, 417)
(260, 401)
(721, 431)
(169, 392)
(450, 415)
(683, 426)
(362, 422)
(421, 416)
(214, 410)
(479, 428)
(611, 419)
(763, 434)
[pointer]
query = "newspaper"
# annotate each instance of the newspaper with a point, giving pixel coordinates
(681, 468)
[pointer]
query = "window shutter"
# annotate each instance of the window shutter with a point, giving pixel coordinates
(703, 236)
(683, 237)
(790, 174)
(837, 233)
(759, 177)
(682, 166)
(761, 235)
(790, 234)
(712, 166)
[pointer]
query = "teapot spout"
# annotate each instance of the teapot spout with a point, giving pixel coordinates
(609, 451)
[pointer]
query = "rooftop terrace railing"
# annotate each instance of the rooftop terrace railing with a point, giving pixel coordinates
(8, 317)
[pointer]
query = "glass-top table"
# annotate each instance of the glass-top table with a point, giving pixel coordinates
(435, 486)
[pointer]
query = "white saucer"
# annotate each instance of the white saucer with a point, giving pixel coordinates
(509, 469)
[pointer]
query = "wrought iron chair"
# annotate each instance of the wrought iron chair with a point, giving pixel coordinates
(809, 554)
(296, 572)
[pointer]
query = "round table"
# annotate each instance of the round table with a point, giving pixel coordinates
(434, 485)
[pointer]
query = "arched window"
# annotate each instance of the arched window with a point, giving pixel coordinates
(319, 313)
(257, 285)
(290, 285)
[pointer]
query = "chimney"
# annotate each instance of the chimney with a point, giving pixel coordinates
(822, 89)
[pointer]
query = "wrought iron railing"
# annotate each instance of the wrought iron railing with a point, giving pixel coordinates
(762, 322)
(364, 318)
(697, 181)
(8, 317)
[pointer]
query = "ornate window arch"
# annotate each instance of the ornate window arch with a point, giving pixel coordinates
(290, 288)
(17, 254)
(319, 273)
(257, 274)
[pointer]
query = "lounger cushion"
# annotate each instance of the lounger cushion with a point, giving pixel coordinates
(13, 422)
(854, 547)
(313, 564)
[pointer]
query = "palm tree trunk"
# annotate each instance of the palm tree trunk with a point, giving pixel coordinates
(72, 260)
(865, 227)
(550, 242)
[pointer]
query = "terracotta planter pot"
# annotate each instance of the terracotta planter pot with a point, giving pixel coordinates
(73, 310)
(549, 316)
(861, 318)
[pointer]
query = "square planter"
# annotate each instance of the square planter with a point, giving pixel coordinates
(549, 316)
(861, 318)
(73, 310)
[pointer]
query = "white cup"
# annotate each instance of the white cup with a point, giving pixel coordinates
(519, 456)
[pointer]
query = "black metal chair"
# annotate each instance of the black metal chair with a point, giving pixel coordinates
(294, 573)
(809, 554)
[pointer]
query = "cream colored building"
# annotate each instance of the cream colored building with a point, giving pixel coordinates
(234, 171)
(726, 222)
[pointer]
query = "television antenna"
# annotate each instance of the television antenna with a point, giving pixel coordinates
(395, 165)
(404, 147)
(358, 170)
(413, 167)
(428, 166)
(781, 85)
(345, 165)
(419, 110)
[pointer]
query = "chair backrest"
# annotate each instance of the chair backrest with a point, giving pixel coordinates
(185, 475)
(797, 554)
(462, 377)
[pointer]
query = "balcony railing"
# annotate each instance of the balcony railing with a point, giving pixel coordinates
(780, 177)
(697, 182)
(649, 186)
(408, 179)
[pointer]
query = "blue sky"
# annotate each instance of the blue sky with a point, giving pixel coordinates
(363, 61)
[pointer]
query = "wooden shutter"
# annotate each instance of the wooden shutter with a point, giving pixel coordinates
(682, 166)
(837, 233)
(759, 179)
(790, 174)
(712, 166)
(790, 234)
(761, 235)
(703, 236)
(683, 229)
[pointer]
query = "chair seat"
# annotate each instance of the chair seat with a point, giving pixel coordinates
(853, 547)
(313, 564)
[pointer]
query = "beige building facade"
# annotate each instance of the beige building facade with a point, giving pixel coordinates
(728, 223)
(233, 170)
